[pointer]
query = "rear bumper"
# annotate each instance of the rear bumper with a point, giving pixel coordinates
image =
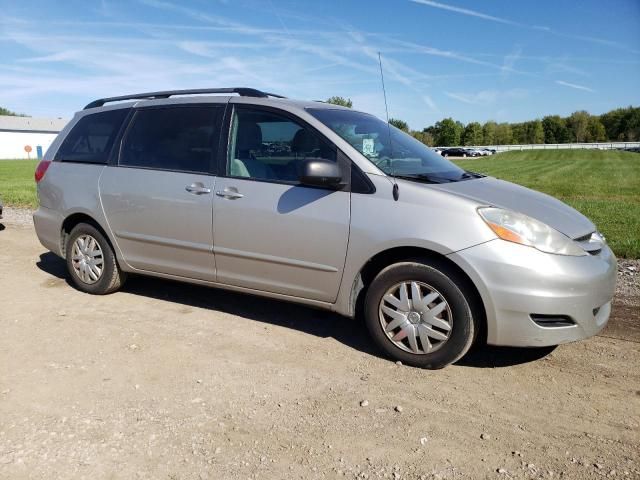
(517, 282)
(48, 225)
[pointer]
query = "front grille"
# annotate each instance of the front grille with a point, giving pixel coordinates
(552, 321)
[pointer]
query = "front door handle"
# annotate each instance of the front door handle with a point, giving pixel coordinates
(197, 189)
(230, 193)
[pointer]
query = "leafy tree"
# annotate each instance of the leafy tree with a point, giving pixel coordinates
(612, 122)
(448, 132)
(555, 129)
(4, 111)
(424, 137)
(578, 124)
(622, 124)
(517, 133)
(533, 132)
(472, 134)
(595, 130)
(632, 133)
(400, 124)
(489, 133)
(344, 102)
(504, 135)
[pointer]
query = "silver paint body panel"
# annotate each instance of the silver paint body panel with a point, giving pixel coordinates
(309, 245)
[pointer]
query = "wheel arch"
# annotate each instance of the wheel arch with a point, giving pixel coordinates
(74, 219)
(387, 257)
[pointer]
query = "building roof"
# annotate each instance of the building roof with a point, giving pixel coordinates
(31, 124)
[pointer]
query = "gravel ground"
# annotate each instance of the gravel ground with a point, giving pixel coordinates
(172, 381)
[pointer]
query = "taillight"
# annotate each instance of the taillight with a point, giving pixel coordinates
(41, 169)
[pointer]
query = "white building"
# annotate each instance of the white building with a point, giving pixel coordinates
(16, 133)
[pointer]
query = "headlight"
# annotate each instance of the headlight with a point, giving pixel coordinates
(518, 228)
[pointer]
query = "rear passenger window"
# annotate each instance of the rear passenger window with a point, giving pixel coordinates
(175, 138)
(91, 139)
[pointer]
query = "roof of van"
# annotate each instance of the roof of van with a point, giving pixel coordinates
(208, 92)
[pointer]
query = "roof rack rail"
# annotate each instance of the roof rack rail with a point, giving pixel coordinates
(242, 91)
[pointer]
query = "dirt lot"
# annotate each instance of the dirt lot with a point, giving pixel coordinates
(170, 381)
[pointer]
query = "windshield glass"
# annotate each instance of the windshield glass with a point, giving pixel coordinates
(402, 155)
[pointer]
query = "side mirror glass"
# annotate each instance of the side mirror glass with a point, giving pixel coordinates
(318, 172)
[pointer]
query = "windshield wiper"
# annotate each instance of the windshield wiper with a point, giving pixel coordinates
(424, 177)
(467, 175)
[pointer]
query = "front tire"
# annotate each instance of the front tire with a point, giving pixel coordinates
(417, 312)
(91, 261)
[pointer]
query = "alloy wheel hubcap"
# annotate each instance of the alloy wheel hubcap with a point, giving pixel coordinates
(415, 317)
(87, 259)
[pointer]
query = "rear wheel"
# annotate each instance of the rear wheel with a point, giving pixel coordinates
(417, 313)
(91, 261)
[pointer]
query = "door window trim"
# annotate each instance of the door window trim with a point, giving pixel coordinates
(343, 160)
(130, 119)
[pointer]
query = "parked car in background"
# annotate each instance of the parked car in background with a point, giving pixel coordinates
(322, 205)
(474, 152)
(488, 151)
(455, 152)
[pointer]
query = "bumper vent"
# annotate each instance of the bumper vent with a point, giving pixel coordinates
(552, 321)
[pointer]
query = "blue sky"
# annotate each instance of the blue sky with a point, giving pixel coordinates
(497, 59)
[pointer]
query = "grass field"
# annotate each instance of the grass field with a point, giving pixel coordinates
(603, 185)
(17, 186)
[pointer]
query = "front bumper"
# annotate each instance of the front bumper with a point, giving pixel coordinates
(516, 282)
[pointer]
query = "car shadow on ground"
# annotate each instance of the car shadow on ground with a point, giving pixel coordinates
(321, 323)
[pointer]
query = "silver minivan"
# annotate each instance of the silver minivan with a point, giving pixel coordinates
(323, 205)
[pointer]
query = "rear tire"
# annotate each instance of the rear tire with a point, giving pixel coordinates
(91, 261)
(430, 325)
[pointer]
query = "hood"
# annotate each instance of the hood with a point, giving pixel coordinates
(498, 193)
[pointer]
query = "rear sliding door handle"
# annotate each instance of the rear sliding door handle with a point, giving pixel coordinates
(229, 193)
(197, 189)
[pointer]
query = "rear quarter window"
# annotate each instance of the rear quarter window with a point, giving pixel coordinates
(91, 139)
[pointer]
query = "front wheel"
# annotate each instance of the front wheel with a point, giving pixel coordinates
(91, 261)
(417, 313)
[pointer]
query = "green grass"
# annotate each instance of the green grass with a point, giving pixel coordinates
(603, 185)
(17, 186)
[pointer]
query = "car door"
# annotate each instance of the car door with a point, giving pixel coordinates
(272, 233)
(158, 199)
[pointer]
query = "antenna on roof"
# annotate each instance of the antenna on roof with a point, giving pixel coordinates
(396, 193)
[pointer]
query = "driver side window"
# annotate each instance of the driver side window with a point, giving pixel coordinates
(272, 147)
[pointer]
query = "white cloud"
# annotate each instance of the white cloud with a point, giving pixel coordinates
(506, 21)
(464, 11)
(574, 86)
(488, 97)
(510, 60)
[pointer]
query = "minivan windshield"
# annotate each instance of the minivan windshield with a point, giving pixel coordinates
(393, 151)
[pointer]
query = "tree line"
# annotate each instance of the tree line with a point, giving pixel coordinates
(619, 125)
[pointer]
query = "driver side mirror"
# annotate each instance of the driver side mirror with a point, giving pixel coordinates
(318, 172)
